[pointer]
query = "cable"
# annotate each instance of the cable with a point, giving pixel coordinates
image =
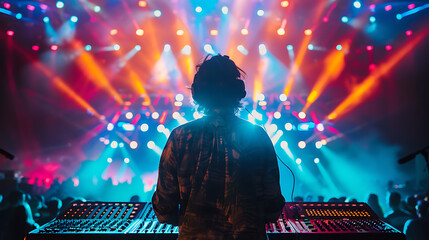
(278, 157)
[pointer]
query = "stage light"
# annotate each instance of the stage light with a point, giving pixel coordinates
(186, 50)
(283, 144)
(372, 7)
(144, 127)
(308, 32)
(409, 33)
(160, 128)
(284, 3)
(121, 144)
(281, 31)
(167, 48)
(388, 47)
(46, 19)
(110, 126)
(35, 48)
(325, 19)
(10, 33)
(357, 4)
(225, 10)
(106, 141)
(30, 7)
(179, 32)
(209, 49)
(109, 160)
(213, 32)
(324, 142)
(318, 144)
(339, 47)
(277, 115)
(316, 160)
(113, 32)
(176, 115)
(60, 4)
(157, 13)
(288, 126)
(179, 97)
(344, 19)
(260, 13)
(260, 97)
(198, 9)
(302, 144)
(18, 16)
(73, 19)
(151, 145)
(139, 32)
(244, 31)
(133, 144)
(298, 161)
(372, 19)
(411, 6)
(242, 49)
(126, 160)
(283, 97)
(302, 115)
(399, 16)
(178, 104)
(88, 48)
(142, 3)
(197, 115)
(116, 47)
(97, 9)
(372, 66)
(138, 47)
(6, 5)
(310, 46)
(262, 50)
(54, 47)
(155, 115)
(114, 144)
(289, 47)
(43, 6)
(369, 48)
(320, 127)
(272, 128)
(388, 7)
(129, 115)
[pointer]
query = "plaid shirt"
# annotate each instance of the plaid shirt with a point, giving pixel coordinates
(218, 179)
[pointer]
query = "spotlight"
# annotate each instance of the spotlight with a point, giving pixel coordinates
(369, 48)
(260, 97)
(46, 19)
(283, 144)
(198, 9)
(113, 32)
(186, 50)
(73, 19)
(139, 32)
(126, 160)
(244, 31)
(142, 3)
(10, 33)
(242, 49)
(213, 32)
(138, 47)
(167, 48)
(388, 8)
(88, 48)
(277, 115)
(109, 160)
(160, 128)
(308, 32)
(151, 145)
(409, 33)
(288, 126)
(289, 47)
(339, 47)
(114, 144)
(133, 144)
(225, 10)
(357, 4)
(18, 16)
(35, 48)
(110, 126)
(344, 19)
(262, 50)
(121, 144)
(318, 144)
(97, 9)
(388, 47)
(399, 16)
(60, 4)
(129, 115)
(208, 49)
(320, 127)
(302, 144)
(260, 13)
(283, 97)
(281, 31)
(316, 160)
(372, 19)
(310, 46)
(116, 47)
(284, 3)
(144, 127)
(302, 115)
(157, 13)
(179, 32)
(179, 97)
(298, 161)
(54, 47)
(155, 115)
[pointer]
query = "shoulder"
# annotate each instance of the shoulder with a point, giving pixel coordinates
(188, 127)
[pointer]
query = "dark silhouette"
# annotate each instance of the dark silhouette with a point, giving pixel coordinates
(418, 228)
(397, 217)
(375, 205)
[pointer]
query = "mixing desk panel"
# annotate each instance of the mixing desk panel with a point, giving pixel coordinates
(121, 220)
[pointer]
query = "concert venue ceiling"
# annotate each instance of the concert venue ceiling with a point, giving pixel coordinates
(94, 87)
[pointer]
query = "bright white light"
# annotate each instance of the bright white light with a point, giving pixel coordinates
(288, 126)
(198, 9)
(166, 132)
(196, 115)
(114, 144)
(272, 128)
(310, 46)
(88, 48)
(283, 97)
(260, 97)
(186, 50)
(129, 115)
(176, 115)
(116, 47)
(298, 161)
(302, 115)
(179, 97)
(289, 47)
(155, 115)
(260, 13)
(357, 4)
(209, 49)
(126, 160)
(106, 141)
(151, 145)
(283, 144)
(157, 13)
(138, 47)
(46, 19)
(160, 128)
(320, 127)
(97, 9)
(133, 144)
(73, 19)
(257, 115)
(121, 144)
(60, 4)
(301, 144)
(109, 160)
(144, 127)
(318, 144)
(110, 126)
(128, 127)
(225, 10)
(167, 47)
(316, 160)
(262, 49)
(277, 115)
(242, 49)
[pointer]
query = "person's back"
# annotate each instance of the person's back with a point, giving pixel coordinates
(218, 179)
(397, 217)
(418, 228)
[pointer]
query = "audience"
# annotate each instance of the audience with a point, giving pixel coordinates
(375, 205)
(418, 228)
(397, 217)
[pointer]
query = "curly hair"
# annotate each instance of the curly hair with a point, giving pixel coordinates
(218, 84)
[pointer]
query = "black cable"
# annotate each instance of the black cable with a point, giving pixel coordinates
(278, 157)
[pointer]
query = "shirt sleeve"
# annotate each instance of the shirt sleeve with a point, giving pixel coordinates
(165, 200)
(273, 198)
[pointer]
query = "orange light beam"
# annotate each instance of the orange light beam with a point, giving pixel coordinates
(369, 84)
(333, 66)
